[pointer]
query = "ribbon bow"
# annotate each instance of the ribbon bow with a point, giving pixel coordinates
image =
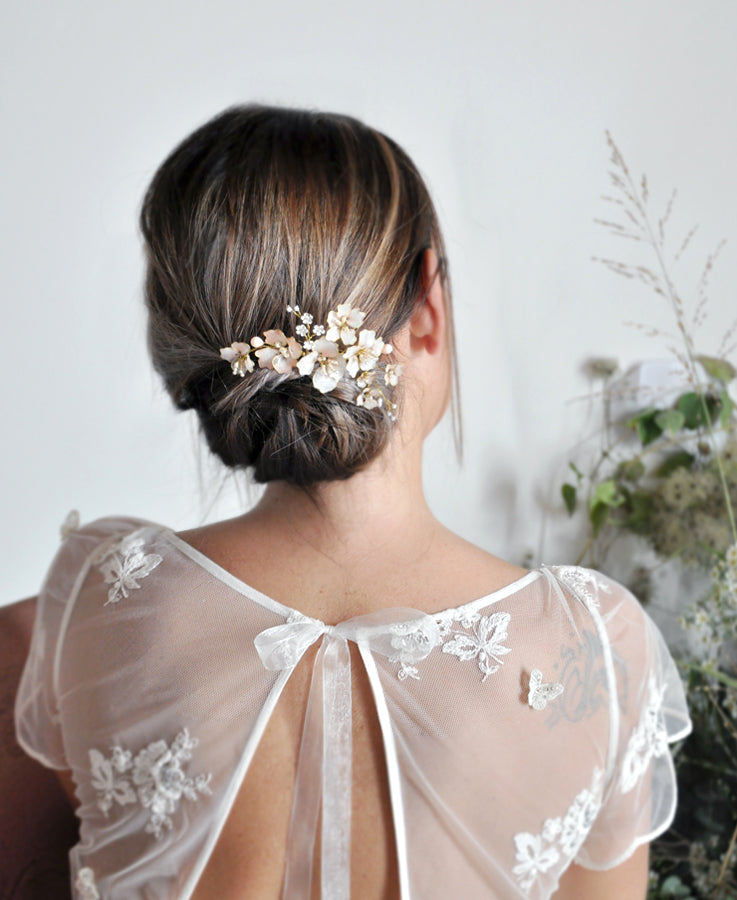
(404, 636)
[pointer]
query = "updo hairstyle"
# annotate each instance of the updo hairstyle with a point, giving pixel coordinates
(258, 209)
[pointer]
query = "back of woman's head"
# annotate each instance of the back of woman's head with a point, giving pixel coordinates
(263, 208)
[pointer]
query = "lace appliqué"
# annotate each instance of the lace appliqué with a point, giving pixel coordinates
(482, 641)
(412, 642)
(541, 692)
(123, 563)
(648, 740)
(562, 836)
(583, 582)
(154, 778)
(85, 885)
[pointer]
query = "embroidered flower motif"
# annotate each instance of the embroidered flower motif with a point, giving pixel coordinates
(85, 885)
(532, 859)
(484, 643)
(562, 835)
(552, 828)
(649, 739)
(107, 779)
(342, 323)
(154, 778)
(123, 564)
(412, 643)
(583, 582)
(580, 817)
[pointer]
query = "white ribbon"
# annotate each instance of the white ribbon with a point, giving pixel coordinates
(404, 636)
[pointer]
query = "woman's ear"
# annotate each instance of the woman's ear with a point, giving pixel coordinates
(427, 324)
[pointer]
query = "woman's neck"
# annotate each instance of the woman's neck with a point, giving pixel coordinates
(378, 509)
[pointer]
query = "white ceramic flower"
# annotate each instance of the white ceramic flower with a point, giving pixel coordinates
(392, 373)
(238, 357)
(370, 396)
(316, 352)
(342, 323)
(365, 354)
(325, 363)
(278, 352)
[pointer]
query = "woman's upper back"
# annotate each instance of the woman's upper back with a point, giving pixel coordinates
(493, 741)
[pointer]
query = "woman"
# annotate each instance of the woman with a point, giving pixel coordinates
(332, 695)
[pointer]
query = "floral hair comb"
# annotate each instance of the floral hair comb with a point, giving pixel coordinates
(328, 355)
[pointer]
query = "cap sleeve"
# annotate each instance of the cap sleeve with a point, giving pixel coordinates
(37, 715)
(639, 799)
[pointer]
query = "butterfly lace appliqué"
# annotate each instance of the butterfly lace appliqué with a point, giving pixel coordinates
(154, 778)
(481, 641)
(85, 885)
(648, 740)
(123, 564)
(560, 837)
(540, 692)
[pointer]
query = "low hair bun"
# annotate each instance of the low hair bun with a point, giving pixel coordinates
(259, 210)
(288, 431)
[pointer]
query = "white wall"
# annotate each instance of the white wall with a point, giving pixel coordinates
(503, 105)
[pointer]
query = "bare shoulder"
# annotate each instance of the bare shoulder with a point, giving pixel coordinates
(434, 572)
(480, 570)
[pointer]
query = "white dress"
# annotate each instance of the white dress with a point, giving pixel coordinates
(522, 731)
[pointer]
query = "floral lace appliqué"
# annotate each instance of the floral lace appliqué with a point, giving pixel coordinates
(123, 564)
(85, 885)
(648, 740)
(560, 837)
(583, 582)
(412, 643)
(154, 778)
(481, 641)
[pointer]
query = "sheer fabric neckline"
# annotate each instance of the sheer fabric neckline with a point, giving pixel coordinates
(242, 587)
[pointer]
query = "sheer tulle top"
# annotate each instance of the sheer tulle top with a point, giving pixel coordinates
(522, 731)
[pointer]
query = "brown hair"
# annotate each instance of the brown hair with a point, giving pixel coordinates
(260, 208)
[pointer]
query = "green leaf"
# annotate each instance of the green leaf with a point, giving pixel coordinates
(718, 368)
(675, 888)
(690, 406)
(569, 497)
(670, 420)
(606, 493)
(647, 428)
(576, 471)
(598, 515)
(639, 507)
(631, 469)
(680, 460)
(727, 408)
